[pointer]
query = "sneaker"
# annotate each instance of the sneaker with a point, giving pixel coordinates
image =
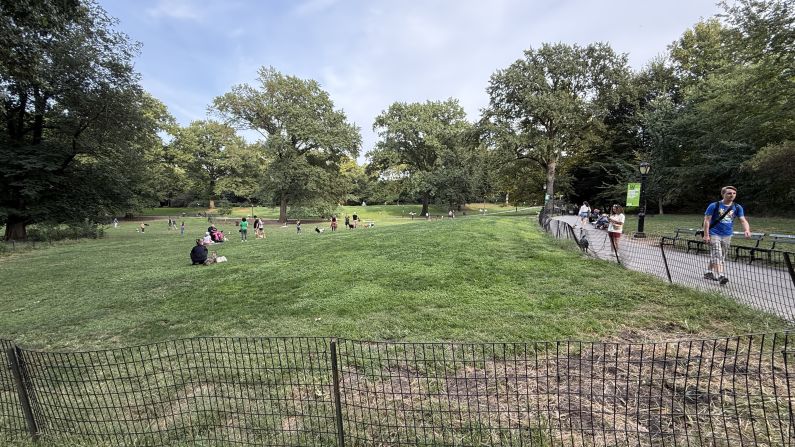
(709, 275)
(723, 280)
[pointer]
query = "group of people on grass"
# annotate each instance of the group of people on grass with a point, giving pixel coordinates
(718, 228)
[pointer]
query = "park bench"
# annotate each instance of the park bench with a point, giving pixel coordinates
(681, 233)
(775, 238)
(698, 244)
(781, 239)
(756, 237)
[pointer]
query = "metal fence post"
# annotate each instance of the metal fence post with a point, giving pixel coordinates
(665, 259)
(789, 267)
(335, 376)
(24, 400)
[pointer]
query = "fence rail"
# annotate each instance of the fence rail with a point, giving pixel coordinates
(315, 391)
(764, 280)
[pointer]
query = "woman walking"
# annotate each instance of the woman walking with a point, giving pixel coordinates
(585, 211)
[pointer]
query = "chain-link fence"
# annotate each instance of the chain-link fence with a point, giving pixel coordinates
(763, 279)
(313, 391)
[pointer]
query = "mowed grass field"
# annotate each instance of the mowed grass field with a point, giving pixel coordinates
(475, 278)
(668, 223)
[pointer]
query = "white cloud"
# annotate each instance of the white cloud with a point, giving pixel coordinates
(177, 9)
(313, 7)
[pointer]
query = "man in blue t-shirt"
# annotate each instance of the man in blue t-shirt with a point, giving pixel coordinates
(718, 230)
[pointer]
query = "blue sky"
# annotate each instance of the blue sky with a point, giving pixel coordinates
(369, 54)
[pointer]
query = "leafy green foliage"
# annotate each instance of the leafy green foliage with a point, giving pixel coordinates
(305, 139)
(214, 158)
(74, 117)
(425, 144)
(549, 105)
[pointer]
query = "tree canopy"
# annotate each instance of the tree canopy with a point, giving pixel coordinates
(75, 121)
(304, 137)
(81, 140)
(550, 103)
(426, 142)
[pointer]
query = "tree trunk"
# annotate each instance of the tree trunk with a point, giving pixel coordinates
(16, 230)
(212, 204)
(425, 201)
(660, 208)
(550, 186)
(283, 209)
(506, 199)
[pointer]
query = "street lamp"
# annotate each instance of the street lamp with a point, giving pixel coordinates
(644, 172)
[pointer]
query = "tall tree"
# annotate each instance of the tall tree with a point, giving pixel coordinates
(74, 126)
(206, 147)
(550, 104)
(306, 139)
(426, 140)
(743, 102)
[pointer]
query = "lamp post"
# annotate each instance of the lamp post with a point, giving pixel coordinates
(644, 172)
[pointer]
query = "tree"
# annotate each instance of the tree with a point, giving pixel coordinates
(205, 148)
(744, 100)
(357, 183)
(772, 169)
(550, 104)
(304, 137)
(73, 115)
(425, 140)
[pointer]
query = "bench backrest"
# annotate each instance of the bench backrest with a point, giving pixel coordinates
(754, 236)
(782, 239)
(690, 231)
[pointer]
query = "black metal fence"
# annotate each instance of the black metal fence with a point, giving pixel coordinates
(763, 279)
(313, 391)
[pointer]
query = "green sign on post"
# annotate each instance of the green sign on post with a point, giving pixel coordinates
(633, 194)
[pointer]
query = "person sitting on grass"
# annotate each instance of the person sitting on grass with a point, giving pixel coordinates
(198, 255)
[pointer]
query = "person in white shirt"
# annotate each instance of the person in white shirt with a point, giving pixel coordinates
(585, 211)
(616, 226)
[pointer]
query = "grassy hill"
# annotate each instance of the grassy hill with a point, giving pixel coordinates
(477, 278)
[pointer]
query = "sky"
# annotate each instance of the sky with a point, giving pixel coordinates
(369, 54)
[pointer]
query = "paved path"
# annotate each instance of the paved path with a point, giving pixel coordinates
(765, 286)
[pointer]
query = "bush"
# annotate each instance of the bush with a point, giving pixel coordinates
(312, 211)
(51, 232)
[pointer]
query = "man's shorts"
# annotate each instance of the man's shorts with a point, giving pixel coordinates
(718, 247)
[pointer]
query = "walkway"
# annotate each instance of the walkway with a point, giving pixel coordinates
(764, 285)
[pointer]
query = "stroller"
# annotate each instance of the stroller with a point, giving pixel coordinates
(602, 222)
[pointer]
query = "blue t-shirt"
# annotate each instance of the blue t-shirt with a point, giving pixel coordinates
(725, 226)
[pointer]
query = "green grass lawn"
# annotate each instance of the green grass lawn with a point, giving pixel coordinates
(468, 279)
(668, 223)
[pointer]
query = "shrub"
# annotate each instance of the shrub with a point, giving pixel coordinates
(50, 232)
(307, 211)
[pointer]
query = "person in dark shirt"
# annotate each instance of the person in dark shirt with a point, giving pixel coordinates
(199, 253)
